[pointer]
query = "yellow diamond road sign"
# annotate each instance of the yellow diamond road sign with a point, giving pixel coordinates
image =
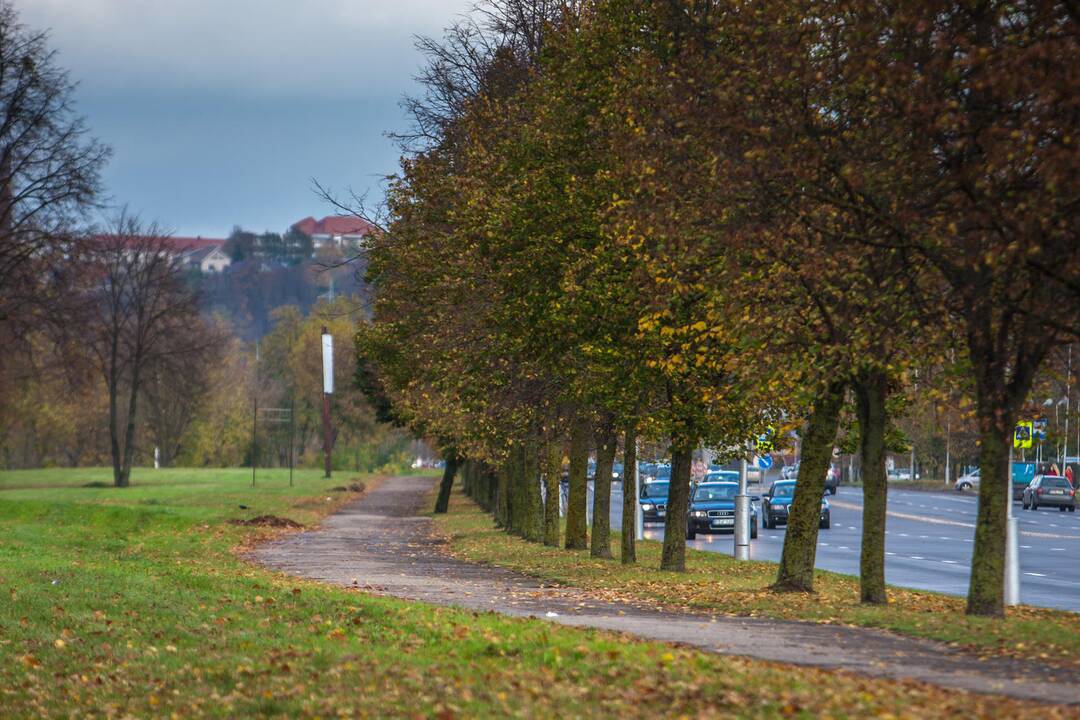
(1022, 434)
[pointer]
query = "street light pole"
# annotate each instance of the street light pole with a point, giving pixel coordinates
(1012, 551)
(328, 390)
(742, 515)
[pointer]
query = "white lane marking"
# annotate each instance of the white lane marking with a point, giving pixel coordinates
(890, 554)
(916, 557)
(1036, 574)
(939, 521)
(1057, 549)
(924, 537)
(823, 544)
(1025, 547)
(942, 537)
(949, 562)
(903, 534)
(844, 547)
(852, 527)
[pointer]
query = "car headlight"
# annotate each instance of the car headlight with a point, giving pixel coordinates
(700, 513)
(646, 506)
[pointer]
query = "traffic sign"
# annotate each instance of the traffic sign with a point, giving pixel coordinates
(764, 461)
(1022, 434)
(764, 442)
(1040, 428)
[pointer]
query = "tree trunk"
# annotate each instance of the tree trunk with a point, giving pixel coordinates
(533, 527)
(443, 501)
(674, 553)
(578, 495)
(552, 473)
(871, 391)
(987, 585)
(606, 440)
(517, 489)
(129, 432)
(502, 495)
(800, 541)
(630, 497)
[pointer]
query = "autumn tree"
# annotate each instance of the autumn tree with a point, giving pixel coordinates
(140, 310)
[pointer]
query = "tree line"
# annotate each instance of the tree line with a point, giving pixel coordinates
(110, 356)
(685, 222)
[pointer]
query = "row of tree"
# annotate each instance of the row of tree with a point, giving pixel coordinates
(689, 221)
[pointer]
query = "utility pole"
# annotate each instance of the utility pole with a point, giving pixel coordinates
(742, 513)
(1012, 550)
(328, 390)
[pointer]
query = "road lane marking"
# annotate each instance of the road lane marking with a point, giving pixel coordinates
(949, 562)
(916, 557)
(955, 523)
(1036, 574)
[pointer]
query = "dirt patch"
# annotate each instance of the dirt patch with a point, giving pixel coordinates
(268, 521)
(356, 487)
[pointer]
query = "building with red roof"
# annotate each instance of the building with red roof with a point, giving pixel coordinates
(334, 230)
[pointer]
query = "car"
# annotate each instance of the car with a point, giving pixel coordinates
(653, 472)
(898, 474)
(832, 479)
(712, 510)
(967, 481)
(789, 472)
(653, 498)
(775, 504)
(1049, 491)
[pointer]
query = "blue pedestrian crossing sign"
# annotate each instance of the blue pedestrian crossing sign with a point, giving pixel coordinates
(1022, 436)
(764, 442)
(764, 461)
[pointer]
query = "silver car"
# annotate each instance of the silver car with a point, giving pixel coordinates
(1049, 491)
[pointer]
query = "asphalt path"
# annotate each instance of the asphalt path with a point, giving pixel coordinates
(928, 543)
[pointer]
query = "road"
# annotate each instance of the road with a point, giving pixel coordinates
(928, 543)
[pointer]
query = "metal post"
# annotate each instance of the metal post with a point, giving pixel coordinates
(292, 436)
(742, 515)
(328, 437)
(254, 437)
(948, 442)
(639, 516)
(1012, 550)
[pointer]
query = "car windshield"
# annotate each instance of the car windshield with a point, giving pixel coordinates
(712, 493)
(1058, 482)
(663, 472)
(654, 490)
(722, 475)
(783, 490)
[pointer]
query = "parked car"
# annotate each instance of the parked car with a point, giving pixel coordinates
(1049, 491)
(722, 476)
(653, 498)
(967, 481)
(712, 509)
(653, 472)
(790, 472)
(776, 503)
(898, 475)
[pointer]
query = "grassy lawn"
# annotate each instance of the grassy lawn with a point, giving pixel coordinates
(135, 603)
(718, 583)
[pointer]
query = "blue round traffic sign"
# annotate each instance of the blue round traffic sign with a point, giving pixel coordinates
(764, 461)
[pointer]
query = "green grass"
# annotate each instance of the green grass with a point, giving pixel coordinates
(718, 583)
(135, 603)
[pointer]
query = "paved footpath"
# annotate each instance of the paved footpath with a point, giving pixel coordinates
(382, 544)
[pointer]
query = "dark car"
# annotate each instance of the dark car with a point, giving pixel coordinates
(832, 479)
(775, 505)
(712, 509)
(1049, 491)
(653, 499)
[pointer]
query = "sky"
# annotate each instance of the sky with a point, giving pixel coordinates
(222, 112)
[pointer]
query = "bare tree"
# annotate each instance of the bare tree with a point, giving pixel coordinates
(141, 311)
(178, 382)
(49, 170)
